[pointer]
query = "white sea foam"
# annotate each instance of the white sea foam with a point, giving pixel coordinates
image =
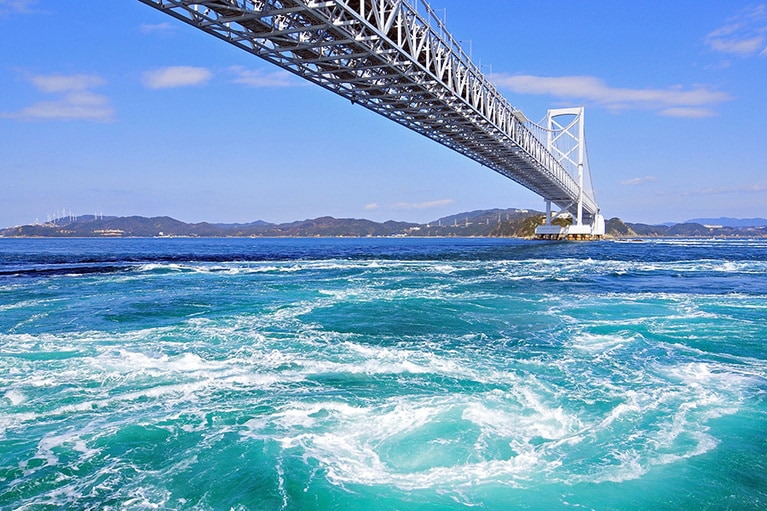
(710, 379)
(134, 362)
(386, 360)
(629, 465)
(14, 397)
(150, 267)
(520, 426)
(444, 268)
(601, 343)
(632, 406)
(351, 449)
(369, 445)
(24, 304)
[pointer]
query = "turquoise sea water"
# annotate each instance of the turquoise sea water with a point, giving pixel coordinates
(382, 374)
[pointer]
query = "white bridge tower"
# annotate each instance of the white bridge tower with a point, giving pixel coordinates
(565, 134)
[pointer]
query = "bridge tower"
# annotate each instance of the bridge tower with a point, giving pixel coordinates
(566, 141)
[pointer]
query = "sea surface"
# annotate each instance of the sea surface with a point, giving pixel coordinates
(382, 374)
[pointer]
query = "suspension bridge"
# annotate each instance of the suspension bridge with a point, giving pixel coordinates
(397, 58)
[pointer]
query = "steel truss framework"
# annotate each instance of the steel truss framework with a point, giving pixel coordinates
(398, 62)
(567, 142)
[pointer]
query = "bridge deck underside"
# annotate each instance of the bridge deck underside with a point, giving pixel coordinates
(382, 56)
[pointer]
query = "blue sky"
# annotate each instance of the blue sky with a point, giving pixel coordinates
(113, 107)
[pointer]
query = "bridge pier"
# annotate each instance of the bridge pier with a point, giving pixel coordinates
(575, 232)
(549, 217)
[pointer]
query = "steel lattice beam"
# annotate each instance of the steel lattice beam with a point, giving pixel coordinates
(389, 58)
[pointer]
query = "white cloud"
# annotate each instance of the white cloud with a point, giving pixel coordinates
(673, 101)
(176, 76)
(75, 99)
(66, 83)
(687, 112)
(77, 105)
(424, 205)
(259, 78)
(718, 190)
(639, 180)
(163, 28)
(371, 206)
(15, 6)
(743, 47)
(743, 35)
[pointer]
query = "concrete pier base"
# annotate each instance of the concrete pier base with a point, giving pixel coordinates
(595, 231)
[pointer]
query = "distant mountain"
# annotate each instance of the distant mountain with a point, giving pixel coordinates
(520, 223)
(618, 229)
(136, 226)
(731, 222)
(334, 227)
(133, 226)
(485, 216)
(494, 222)
(257, 223)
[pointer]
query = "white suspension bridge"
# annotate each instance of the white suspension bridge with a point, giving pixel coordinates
(396, 58)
